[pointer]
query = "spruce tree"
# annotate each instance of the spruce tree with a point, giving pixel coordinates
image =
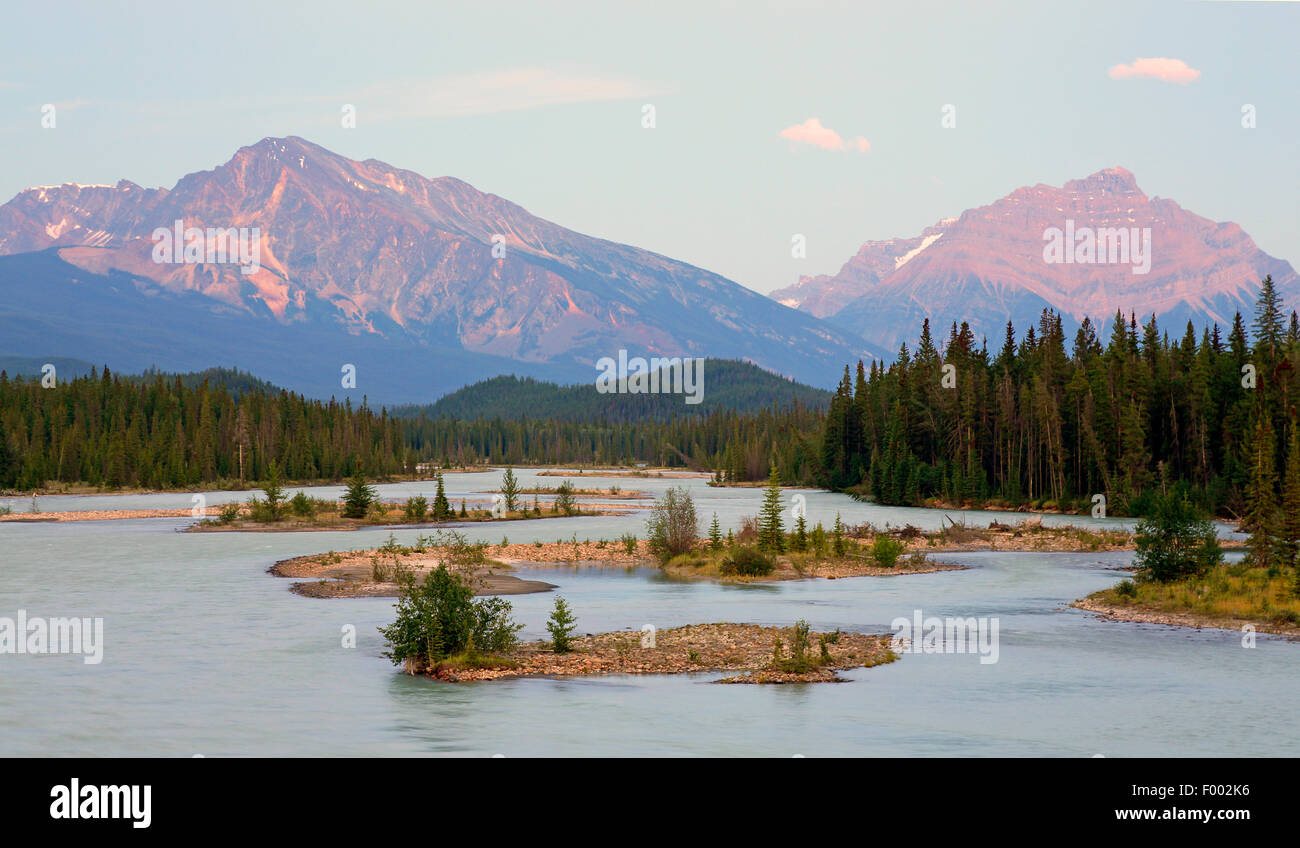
(561, 627)
(1261, 497)
(715, 534)
(441, 508)
(274, 493)
(1291, 501)
(771, 528)
(510, 490)
(799, 539)
(358, 497)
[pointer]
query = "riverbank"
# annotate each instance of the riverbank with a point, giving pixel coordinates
(376, 574)
(755, 654)
(331, 519)
(1229, 597)
(369, 573)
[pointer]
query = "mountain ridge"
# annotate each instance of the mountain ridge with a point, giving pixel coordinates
(988, 265)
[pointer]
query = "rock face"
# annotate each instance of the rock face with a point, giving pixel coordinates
(373, 250)
(994, 264)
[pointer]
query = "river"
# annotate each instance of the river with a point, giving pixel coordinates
(206, 654)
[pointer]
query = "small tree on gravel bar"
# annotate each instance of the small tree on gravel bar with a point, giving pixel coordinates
(561, 627)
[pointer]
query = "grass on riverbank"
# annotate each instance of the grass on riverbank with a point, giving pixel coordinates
(318, 514)
(1227, 593)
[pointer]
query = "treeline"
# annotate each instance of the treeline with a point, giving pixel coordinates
(725, 384)
(112, 432)
(739, 446)
(1049, 422)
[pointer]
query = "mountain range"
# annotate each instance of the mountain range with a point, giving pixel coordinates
(991, 265)
(423, 285)
(361, 279)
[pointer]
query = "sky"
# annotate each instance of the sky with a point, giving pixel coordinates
(770, 120)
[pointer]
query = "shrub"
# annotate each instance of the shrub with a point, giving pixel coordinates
(416, 508)
(564, 500)
(629, 541)
(671, 528)
(229, 513)
(1175, 541)
(439, 618)
(302, 506)
(748, 561)
(886, 550)
(748, 530)
(1126, 589)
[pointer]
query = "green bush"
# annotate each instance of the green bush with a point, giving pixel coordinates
(629, 541)
(302, 506)
(229, 513)
(565, 502)
(416, 508)
(1175, 541)
(439, 617)
(748, 561)
(886, 550)
(1126, 589)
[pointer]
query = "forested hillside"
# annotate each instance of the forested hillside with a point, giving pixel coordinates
(111, 432)
(1049, 421)
(727, 385)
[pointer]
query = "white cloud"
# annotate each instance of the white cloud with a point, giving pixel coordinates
(812, 132)
(1165, 70)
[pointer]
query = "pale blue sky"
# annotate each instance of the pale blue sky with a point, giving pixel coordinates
(542, 104)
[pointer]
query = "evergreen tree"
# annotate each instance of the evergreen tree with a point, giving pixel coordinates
(771, 528)
(799, 539)
(1290, 552)
(510, 490)
(359, 497)
(441, 507)
(561, 626)
(274, 493)
(1261, 500)
(715, 534)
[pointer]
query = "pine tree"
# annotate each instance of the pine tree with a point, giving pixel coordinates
(838, 544)
(274, 493)
(359, 497)
(1290, 552)
(1261, 497)
(510, 490)
(441, 508)
(561, 626)
(715, 534)
(799, 539)
(771, 528)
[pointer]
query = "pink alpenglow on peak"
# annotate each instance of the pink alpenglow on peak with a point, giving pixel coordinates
(1086, 249)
